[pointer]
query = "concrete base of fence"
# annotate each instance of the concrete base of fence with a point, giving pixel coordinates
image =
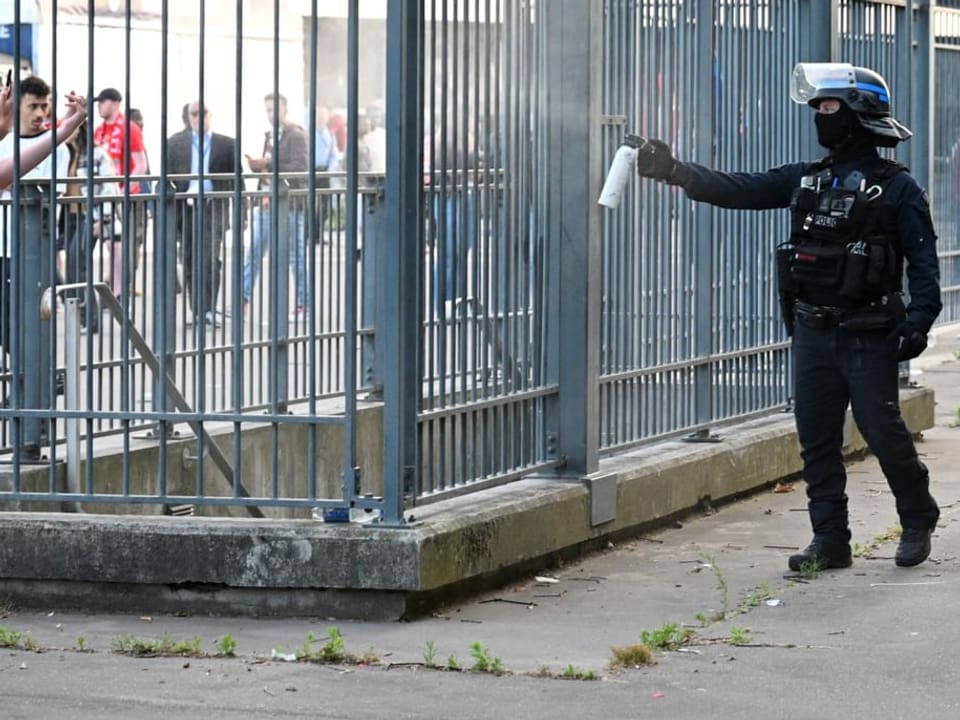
(299, 567)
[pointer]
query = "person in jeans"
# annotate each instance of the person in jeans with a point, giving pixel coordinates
(287, 153)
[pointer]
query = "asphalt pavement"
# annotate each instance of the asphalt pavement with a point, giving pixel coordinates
(872, 641)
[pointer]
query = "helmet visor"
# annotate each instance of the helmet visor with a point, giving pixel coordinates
(809, 78)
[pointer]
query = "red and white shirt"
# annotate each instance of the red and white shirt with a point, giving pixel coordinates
(110, 136)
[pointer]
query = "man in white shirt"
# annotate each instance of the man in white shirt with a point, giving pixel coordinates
(32, 154)
(33, 148)
(35, 138)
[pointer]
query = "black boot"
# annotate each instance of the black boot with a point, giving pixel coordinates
(825, 555)
(914, 547)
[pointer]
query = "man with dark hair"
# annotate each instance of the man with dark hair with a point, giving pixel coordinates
(287, 154)
(35, 137)
(202, 221)
(32, 154)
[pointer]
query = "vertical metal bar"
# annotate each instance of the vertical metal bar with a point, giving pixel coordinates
(282, 209)
(15, 240)
(310, 232)
(922, 91)
(49, 344)
(199, 251)
(165, 266)
(371, 352)
(573, 84)
(237, 225)
(822, 45)
(350, 471)
(704, 250)
(404, 172)
(29, 310)
(88, 228)
(71, 348)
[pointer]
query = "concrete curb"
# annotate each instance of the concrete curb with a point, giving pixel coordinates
(291, 567)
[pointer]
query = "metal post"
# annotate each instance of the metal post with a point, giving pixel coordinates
(919, 94)
(371, 306)
(31, 212)
(351, 473)
(281, 206)
(165, 307)
(916, 99)
(821, 44)
(704, 252)
(401, 248)
(574, 76)
(71, 343)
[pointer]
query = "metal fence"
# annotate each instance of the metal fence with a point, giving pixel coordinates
(945, 177)
(469, 287)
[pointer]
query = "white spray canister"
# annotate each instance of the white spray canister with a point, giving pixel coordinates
(621, 170)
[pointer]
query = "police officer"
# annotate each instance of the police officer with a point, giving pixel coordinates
(855, 218)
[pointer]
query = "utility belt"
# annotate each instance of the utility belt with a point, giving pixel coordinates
(883, 314)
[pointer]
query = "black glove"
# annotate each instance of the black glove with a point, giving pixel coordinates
(654, 160)
(910, 342)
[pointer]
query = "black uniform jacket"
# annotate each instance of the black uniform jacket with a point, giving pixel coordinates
(916, 239)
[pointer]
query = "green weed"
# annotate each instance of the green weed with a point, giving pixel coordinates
(145, 647)
(483, 661)
(810, 569)
(9, 638)
(669, 637)
(739, 636)
(759, 594)
(570, 672)
(226, 646)
(430, 654)
(722, 586)
(332, 651)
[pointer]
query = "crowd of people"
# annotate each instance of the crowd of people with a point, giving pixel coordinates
(203, 165)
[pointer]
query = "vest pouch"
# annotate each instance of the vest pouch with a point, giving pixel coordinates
(855, 271)
(785, 280)
(876, 265)
(819, 264)
(804, 198)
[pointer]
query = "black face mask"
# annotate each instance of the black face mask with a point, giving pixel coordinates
(834, 128)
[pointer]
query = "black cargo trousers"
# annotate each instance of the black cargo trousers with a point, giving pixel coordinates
(834, 367)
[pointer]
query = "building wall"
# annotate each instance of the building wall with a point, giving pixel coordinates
(75, 57)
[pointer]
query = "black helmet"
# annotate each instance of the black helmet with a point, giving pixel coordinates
(861, 89)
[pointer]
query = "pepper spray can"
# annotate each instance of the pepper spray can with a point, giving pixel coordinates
(621, 170)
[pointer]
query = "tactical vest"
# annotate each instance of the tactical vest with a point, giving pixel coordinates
(842, 248)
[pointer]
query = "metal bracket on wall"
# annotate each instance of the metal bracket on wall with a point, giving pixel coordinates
(613, 119)
(551, 446)
(603, 498)
(702, 436)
